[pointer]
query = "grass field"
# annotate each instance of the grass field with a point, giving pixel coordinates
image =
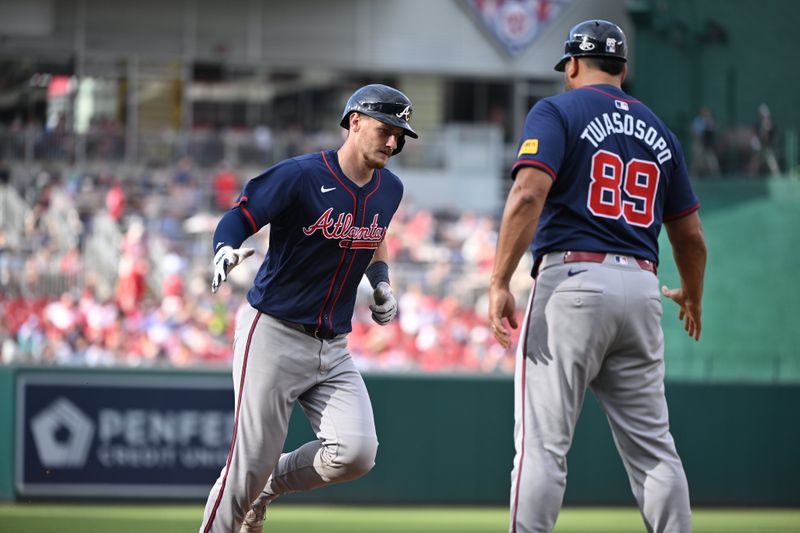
(81, 518)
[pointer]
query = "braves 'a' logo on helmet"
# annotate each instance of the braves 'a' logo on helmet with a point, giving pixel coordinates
(405, 113)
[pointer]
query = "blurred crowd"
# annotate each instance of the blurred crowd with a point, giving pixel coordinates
(103, 269)
(748, 151)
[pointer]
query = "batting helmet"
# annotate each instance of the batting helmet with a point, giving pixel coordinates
(382, 103)
(594, 38)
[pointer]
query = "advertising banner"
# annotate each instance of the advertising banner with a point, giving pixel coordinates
(121, 436)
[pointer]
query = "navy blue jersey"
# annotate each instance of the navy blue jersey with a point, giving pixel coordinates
(618, 173)
(324, 231)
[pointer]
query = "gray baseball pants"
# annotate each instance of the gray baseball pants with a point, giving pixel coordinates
(597, 326)
(275, 365)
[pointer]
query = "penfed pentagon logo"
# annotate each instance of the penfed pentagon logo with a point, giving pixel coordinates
(62, 434)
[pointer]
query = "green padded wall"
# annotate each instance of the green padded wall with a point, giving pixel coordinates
(448, 439)
(752, 294)
(7, 403)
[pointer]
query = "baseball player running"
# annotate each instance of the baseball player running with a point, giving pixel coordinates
(329, 213)
(597, 174)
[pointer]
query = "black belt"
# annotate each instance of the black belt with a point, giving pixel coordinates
(312, 331)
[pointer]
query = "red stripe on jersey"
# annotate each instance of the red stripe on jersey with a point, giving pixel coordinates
(377, 186)
(341, 259)
(341, 286)
(363, 218)
(610, 95)
(213, 514)
(249, 218)
(330, 288)
(359, 244)
(531, 163)
(683, 213)
(335, 175)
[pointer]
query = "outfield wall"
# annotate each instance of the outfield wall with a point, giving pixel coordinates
(752, 297)
(443, 439)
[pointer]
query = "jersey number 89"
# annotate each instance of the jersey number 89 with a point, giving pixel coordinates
(623, 190)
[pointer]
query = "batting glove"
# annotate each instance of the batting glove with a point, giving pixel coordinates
(224, 261)
(385, 307)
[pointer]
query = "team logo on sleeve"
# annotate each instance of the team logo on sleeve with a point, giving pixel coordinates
(343, 230)
(530, 146)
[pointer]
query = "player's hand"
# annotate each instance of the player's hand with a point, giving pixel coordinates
(689, 311)
(385, 307)
(224, 261)
(502, 305)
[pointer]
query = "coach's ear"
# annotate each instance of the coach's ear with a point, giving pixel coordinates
(572, 67)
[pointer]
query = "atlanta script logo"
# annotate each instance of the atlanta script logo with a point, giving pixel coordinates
(343, 230)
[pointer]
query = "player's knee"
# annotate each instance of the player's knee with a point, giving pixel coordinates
(354, 458)
(359, 456)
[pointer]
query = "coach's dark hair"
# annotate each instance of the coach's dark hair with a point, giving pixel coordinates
(606, 64)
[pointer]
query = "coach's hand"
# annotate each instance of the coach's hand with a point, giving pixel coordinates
(385, 307)
(502, 305)
(690, 310)
(224, 261)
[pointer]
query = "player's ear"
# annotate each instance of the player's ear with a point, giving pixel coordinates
(355, 121)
